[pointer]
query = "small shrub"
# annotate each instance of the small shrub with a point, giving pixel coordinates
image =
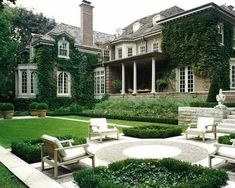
(33, 105)
(30, 151)
(226, 139)
(23, 104)
(117, 85)
(42, 106)
(214, 88)
(151, 173)
(152, 131)
(7, 106)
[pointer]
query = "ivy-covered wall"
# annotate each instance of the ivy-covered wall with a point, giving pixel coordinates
(194, 41)
(79, 65)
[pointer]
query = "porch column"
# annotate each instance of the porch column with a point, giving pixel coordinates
(153, 76)
(123, 79)
(134, 78)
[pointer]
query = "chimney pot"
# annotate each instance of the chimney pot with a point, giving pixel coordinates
(231, 7)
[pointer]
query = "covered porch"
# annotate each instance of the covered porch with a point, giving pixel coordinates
(137, 74)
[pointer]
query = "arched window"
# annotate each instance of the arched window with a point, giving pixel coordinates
(34, 82)
(63, 48)
(63, 84)
(24, 82)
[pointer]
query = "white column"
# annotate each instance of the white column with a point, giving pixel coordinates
(28, 82)
(134, 78)
(20, 81)
(153, 76)
(123, 79)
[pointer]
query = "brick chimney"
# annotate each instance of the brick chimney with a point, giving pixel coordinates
(86, 23)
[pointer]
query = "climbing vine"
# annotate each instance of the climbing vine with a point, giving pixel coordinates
(79, 65)
(194, 41)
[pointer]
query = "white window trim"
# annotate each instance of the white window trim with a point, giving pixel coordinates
(186, 80)
(118, 53)
(104, 53)
(232, 63)
(29, 68)
(99, 95)
(234, 37)
(129, 47)
(158, 46)
(142, 46)
(59, 43)
(69, 85)
(222, 33)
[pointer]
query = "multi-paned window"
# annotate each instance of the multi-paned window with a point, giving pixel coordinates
(34, 82)
(142, 49)
(186, 79)
(129, 52)
(232, 73)
(106, 55)
(24, 82)
(99, 81)
(156, 46)
(221, 33)
(63, 84)
(63, 48)
(119, 53)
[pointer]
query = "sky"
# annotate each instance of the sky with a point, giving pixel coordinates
(109, 15)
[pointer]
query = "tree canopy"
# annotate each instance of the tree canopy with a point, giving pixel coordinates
(2, 4)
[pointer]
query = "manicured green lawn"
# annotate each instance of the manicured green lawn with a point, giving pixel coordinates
(18, 130)
(8, 180)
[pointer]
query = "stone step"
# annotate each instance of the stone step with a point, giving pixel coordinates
(225, 130)
(231, 117)
(226, 125)
(233, 113)
(231, 121)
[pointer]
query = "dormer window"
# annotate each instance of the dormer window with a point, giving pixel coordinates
(136, 26)
(63, 48)
(157, 18)
(221, 33)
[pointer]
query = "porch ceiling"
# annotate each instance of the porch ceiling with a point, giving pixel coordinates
(158, 56)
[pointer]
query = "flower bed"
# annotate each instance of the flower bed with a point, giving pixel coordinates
(30, 151)
(150, 173)
(153, 131)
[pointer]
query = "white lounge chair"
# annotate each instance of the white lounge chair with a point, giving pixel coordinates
(60, 156)
(204, 125)
(223, 151)
(99, 126)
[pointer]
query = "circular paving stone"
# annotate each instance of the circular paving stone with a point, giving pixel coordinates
(152, 149)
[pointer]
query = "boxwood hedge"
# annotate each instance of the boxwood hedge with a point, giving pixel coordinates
(226, 139)
(30, 150)
(153, 131)
(149, 173)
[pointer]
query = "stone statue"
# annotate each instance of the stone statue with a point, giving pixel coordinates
(220, 99)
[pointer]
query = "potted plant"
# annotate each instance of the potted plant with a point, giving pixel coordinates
(7, 110)
(42, 109)
(161, 84)
(117, 85)
(33, 109)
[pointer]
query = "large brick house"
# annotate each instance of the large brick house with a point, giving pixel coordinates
(132, 56)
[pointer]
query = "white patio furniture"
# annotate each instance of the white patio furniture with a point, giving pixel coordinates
(99, 127)
(223, 151)
(204, 125)
(57, 155)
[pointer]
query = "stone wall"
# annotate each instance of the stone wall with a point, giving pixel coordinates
(187, 115)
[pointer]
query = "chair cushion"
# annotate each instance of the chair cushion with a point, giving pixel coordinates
(202, 122)
(74, 153)
(108, 131)
(56, 142)
(100, 124)
(195, 130)
(227, 152)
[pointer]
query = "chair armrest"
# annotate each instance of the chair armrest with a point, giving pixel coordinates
(213, 125)
(70, 141)
(233, 142)
(113, 125)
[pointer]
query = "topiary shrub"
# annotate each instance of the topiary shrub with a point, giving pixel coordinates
(33, 106)
(152, 131)
(214, 88)
(7, 107)
(226, 139)
(150, 173)
(30, 150)
(117, 85)
(42, 106)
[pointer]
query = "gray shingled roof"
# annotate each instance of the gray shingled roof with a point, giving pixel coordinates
(74, 32)
(227, 9)
(147, 24)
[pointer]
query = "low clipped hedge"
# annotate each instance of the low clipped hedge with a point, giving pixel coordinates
(149, 173)
(30, 150)
(153, 131)
(226, 139)
(205, 104)
(128, 118)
